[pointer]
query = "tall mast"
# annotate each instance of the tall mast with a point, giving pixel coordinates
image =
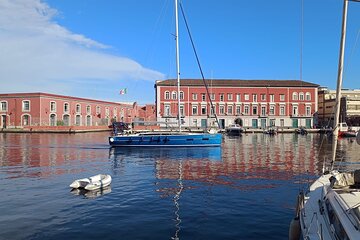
(339, 80)
(177, 61)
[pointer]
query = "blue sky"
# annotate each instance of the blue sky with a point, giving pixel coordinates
(95, 48)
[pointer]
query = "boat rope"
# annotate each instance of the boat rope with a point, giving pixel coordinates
(198, 62)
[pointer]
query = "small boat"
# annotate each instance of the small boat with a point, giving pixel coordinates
(301, 131)
(92, 183)
(271, 131)
(234, 130)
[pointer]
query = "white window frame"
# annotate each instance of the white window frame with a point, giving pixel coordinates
(88, 109)
(52, 106)
(78, 108)
(246, 97)
(194, 110)
(66, 107)
(23, 106)
(167, 95)
(230, 96)
(2, 104)
(194, 96)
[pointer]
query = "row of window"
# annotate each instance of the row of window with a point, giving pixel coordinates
(26, 108)
(295, 96)
(230, 110)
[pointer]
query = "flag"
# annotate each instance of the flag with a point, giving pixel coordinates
(123, 91)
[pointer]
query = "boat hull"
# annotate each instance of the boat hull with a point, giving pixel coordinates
(171, 140)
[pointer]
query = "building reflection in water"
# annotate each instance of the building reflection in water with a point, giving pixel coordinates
(43, 155)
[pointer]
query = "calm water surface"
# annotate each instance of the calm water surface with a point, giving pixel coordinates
(244, 190)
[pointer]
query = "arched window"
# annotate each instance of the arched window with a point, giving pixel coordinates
(52, 119)
(294, 96)
(66, 108)
(77, 120)
(308, 96)
(26, 120)
(301, 96)
(167, 95)
(88, 120)
(78, 108)
(173, 95)
(66, 119)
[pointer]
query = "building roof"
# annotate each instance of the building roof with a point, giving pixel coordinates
(238, 83)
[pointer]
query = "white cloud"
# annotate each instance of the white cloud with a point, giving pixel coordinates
(37, 54)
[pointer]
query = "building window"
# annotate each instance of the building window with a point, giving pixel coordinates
(263, 111)
(229, 109)
(301, 96)
(66, 120)
(78, 108)
(282, 123)
(181, 95)
(173, 95)
(203, 97)
(182, 113)
(66, 108)
(254, 110)
(3, 106)
(203, 110)
(308, 111)
(221, 109)
(26, 120)
(167, 110)
(272, 98)
(246, 96)
(308, 96)
(194, 96)
(107, 112)
(194, 110)
(272, 122)
(272, 110)
(88, 109)
(88, 120)
(167, 95)
(212, 96)
(26, 106)
(254, 97)
(115, 112)
(52, 106)
(263, 97)
(295, 96)
(238, 97)
(77, 120)
(52, 119)
(238, 110)
(246, 109)
(212, 110)
(295, 110)
(282, 110)
(98, 110)
(282, 97)
(229, 95)
(221, 97)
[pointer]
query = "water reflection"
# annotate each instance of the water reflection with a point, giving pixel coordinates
(91, 194)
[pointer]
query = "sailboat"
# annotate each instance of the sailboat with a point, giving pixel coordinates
(330, 208)
(173, 138)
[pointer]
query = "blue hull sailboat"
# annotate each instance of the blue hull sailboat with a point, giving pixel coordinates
(165, 139)
(172, 138)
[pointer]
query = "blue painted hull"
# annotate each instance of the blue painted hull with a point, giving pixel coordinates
(171, 140)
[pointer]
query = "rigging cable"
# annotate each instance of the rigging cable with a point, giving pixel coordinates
(198, 62)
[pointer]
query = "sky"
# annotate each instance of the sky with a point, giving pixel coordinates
(95, 48)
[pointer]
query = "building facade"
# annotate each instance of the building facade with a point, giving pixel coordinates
(43, 109)
(349, 107)
(250, 103)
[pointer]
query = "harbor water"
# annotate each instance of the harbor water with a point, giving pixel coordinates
(245, 189)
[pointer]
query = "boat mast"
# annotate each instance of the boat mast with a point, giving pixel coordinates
(340, 69)
(339, 82)
(177, 61)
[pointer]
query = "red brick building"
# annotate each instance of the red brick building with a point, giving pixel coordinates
(251, 103)
(44, 109)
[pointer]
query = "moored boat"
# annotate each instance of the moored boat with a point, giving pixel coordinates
(234, 130)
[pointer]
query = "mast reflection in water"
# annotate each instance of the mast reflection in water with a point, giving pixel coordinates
(245, 190)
